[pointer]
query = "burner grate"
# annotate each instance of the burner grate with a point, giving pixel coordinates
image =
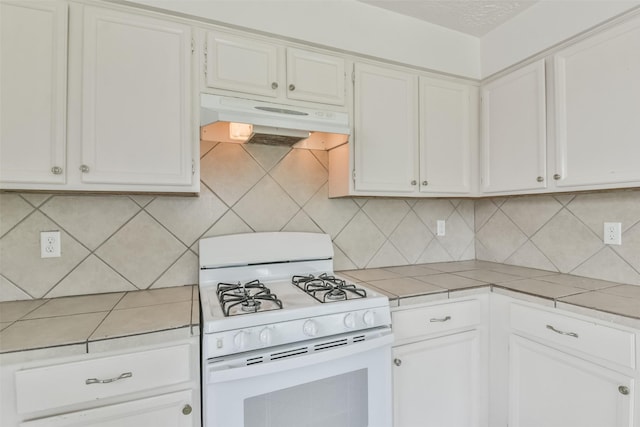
(246, 297)
(326, 288)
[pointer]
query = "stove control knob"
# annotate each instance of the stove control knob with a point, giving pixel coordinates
(265, 336)
(241, 339)
(310, 328)
(369, 318)
(350, 321)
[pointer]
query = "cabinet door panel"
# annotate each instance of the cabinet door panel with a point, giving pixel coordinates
(437, 382)
(136, 100)
(445, 143)
(386, 130)
(514, 131)
(598, 105)
(315, 77)
(158, 411)
(553, 389)
(242, 65)
(33, 97)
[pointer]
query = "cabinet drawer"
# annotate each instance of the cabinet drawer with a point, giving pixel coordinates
(416, 322)
(55, 386)
(592, 338)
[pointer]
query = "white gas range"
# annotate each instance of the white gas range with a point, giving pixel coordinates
(285, 342)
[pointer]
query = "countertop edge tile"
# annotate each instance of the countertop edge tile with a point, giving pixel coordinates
(142, 339)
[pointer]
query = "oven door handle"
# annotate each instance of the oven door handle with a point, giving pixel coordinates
(218, 372)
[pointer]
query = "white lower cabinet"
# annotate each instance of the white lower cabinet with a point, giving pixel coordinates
(439, 372)
(551, 388)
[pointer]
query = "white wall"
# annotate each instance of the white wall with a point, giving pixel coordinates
(345, 24)
(544, 25)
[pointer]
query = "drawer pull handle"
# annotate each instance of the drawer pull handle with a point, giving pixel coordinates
(557, 331)
(442, 319)
(109, 380)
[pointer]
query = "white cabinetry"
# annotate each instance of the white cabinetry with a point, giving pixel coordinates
(513, 138)
(597, 100)
(33, 95)
(257, 67)
(439, 374)
(128, 101)
(568, 372)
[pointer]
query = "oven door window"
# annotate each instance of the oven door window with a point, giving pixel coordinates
(338, 401)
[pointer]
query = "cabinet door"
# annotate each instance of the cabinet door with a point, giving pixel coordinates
(386, 130)
(315, 77)
(553, 389)
(33, 93)
(445, 136)
(242, 65)
(513, 140)
(436, 382)
(169, 410)
(136, 100)
(597, 109)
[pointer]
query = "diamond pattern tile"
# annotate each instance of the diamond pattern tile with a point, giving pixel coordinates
(386, 213)
(322, 156)
(130, 248)
(10, 292)
(267, 156)
(458, 236)
(230, 223)
(466, 209)
(341, 261)
(484, 209)
(566, 241)
(360, 240)
(188, 217)
(607, 265)
(300, 174)
(36, 199)
(302, 222)
(13, 209)
(266, 207)
(387, 256)
(183, 272)
(431, 210)
(531, 213)
(141, 199)
(20, 255)
(229, 171)
(411, 237)
(630, 248)
(206, 146)
(90, 219)
(330, 214)
(595, 209)
(435, 252)
(500, 236)
(530, 256)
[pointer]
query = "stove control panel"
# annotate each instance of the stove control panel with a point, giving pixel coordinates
(252, 338)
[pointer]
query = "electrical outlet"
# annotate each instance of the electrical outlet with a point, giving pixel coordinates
(613, 233)
(440, 230)
(49, 244)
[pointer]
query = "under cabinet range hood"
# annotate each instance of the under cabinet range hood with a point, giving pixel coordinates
(239, 120)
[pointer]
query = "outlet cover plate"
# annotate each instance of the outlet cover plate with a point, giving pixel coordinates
(612, 233)
(49, 244)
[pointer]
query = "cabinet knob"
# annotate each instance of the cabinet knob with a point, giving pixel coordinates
(84, 168)
(557, 176)
(274, 85)
(414, 182)
(292, 87)
(56, 170)
(425, 183)
(623, 390)
(187, 409)
(540, 179)
(397, 362)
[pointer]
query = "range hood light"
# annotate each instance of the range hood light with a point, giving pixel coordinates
(240, 131)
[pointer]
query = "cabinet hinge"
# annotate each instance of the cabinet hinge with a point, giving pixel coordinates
(205, 58)
(353, 174)
(193, 45)
(353, 76)
(193, 167)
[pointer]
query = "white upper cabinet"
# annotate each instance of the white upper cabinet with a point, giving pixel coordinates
(386, 130)
(597, 91)
(448, 134)
(33, 95)
(136, 115)
(513, 136)
(256, 67)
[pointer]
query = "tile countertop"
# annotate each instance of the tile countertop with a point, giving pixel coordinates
(88, 323)
(415, 284)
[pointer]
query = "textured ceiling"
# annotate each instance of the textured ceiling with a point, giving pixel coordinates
(475, 17)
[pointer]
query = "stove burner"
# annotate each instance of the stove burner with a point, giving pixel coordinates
(325, 288)
(248, 297)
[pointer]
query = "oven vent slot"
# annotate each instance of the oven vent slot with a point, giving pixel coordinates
(330, 344)
(254, 360)
(359, 338)
(290, 353)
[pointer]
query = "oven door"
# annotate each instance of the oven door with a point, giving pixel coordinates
(340, 381)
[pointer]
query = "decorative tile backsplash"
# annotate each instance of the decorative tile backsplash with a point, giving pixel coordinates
(562, 233)
(119, 243)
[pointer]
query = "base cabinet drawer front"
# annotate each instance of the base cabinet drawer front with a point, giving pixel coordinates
(425, 321)
(169, 410)
(549, 388)
(56, 386)
(591, 338)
